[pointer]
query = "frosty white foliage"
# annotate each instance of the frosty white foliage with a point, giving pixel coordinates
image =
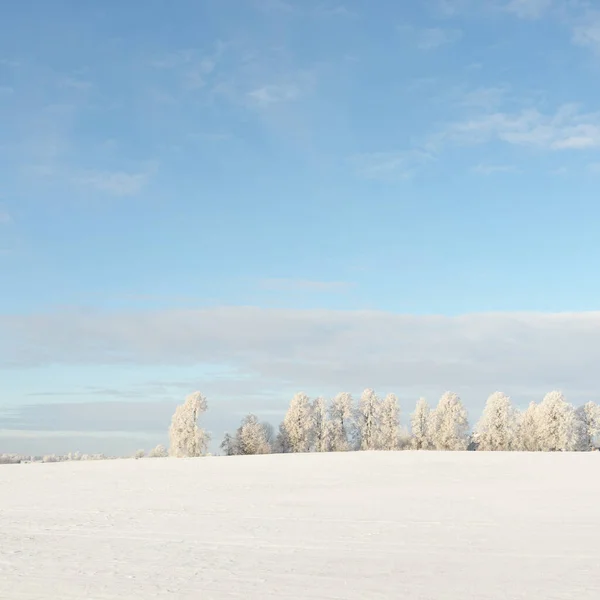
(527, 430)
(10, 459)
(497, 428)
(558, 427)
(589, 417)
(341, 422)
(389, 423)
(187, 439)
(298, 423)
(158, 452)
(139, 454)
(450, 425)
(368, 418)
(420, 426)
(251, 438)
(320, 426)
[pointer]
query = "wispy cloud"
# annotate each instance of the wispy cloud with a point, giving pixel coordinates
(289, 8)
(303, 285)
(567, 129)
(325, 349)
(193, 66)
(117, 183)
(391, 166)
(434, 38)
(522, 9)
(76, 83)
(280, 6)
(9, 62)
(6, 90)
(493, 169)
(586, 32)
(335, 10)
(487, 98)
(5, 218)
(273, 94)
(529, 9)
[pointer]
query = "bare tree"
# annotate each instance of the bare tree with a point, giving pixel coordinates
(589, 417)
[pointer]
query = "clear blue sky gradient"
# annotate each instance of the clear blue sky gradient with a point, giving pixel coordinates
(436, 157)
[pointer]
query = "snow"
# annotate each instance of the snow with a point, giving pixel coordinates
(364, 526)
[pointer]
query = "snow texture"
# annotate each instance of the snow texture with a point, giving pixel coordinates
(352, 526)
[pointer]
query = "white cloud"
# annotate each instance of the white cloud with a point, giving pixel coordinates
(276, 6)
(492, 169)
(287, 285)
(529, 9)
(336, 10)
(587, 32)
(567, 129)
(10, 63)
(117, 183)
(76, 84)
(325, 349)
(273, 94)
(433, 38)
(522, 9)
(390, 166)
(487, 98)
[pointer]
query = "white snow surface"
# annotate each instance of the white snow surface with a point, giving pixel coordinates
(365, 526)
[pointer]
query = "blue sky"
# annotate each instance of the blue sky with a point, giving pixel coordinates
(363, 174)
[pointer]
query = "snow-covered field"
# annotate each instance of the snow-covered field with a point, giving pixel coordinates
(363, 526)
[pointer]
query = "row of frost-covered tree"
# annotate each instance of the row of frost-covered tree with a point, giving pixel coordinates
(373, 423)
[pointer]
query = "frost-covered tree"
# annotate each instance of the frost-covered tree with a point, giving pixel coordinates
(589, 417)
(229, 445)
(369, 420)
(269, 432)
(158, 452)
(320, 426)
(341, 419)
(527, 429)
(497, 428)
(298, 423)
(250, 437)
(558, 427)
(139, 454)
(282, 443)
(187, 439)
(421, 426)
(389, 423)
(450, 425)
(10, 459)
